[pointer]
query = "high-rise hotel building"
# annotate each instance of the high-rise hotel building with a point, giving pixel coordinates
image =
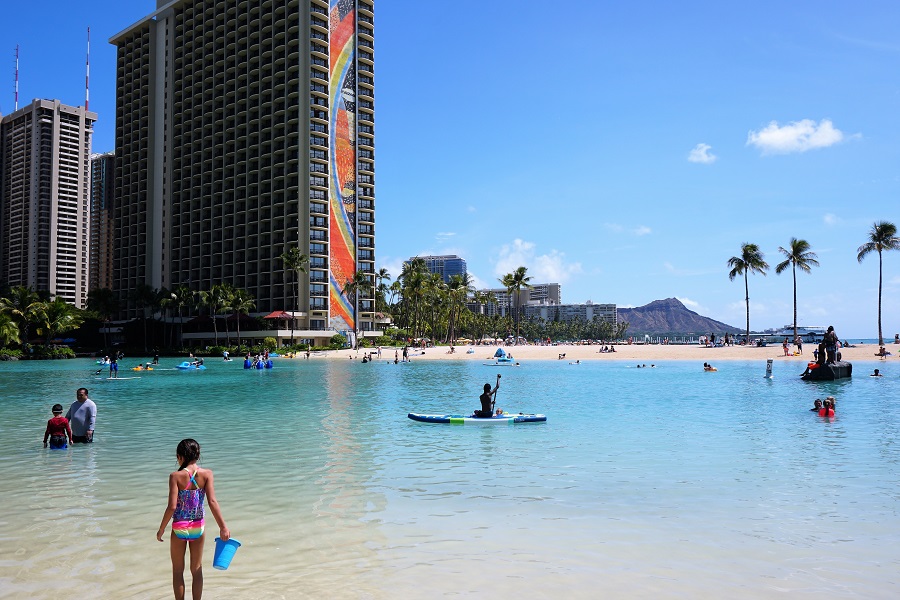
(45, 150)
(103, 188)
(245, 128)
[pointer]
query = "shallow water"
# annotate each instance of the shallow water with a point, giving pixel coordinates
(644, 483)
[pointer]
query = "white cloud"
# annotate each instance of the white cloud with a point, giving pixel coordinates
(638, 231)
(797, 136)
(701, 154)
(444, 236)
(393, 265)
(545, 268)
(830, 219)
(688, 302)
(471, 209)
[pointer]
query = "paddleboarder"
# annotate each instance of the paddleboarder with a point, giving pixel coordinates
(487, 400)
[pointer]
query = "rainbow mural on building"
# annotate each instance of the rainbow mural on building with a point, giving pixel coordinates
(342, 194)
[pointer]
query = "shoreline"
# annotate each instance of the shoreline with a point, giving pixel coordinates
(634, 352)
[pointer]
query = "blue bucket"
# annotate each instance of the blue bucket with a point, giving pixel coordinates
(224, 553)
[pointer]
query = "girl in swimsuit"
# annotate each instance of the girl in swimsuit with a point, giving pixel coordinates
(188, 486)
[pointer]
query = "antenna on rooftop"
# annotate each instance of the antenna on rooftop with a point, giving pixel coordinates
(87, 75)
(17, 79)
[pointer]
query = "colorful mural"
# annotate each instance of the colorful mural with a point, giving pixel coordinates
(342, 106)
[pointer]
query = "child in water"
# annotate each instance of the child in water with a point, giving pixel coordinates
(58, 430)
(187, 488)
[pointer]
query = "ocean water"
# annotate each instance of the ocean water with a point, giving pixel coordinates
(644, 483)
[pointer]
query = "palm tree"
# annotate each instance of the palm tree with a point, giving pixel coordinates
(146, 298)
(381, 288)
(180, 297)
(750, 261)
(882, 236)
(459, 288)
(23, 306)
(797, 256)
(296, 262)
(242, 303)
(514, 282)
(58, 317)
(104, 303)
(356, 286)
(9, 331)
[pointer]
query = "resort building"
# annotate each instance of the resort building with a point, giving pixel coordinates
(445, 266)
(45, 150)
(101, 238)
(569, 312)
(539, 293)
(245, 129)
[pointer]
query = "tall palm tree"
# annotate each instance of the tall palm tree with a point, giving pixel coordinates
(242, 303)
(296, 262)
(180, 297)
(882, 236)
(514, 282)
(104, 303)
(22, 305)
(381, 288)
(797, 256)
(459, 288)
(145, 298)
(358, 285)
(750, 261)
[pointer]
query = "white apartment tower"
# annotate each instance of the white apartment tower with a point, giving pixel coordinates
(45, 150)
(245, 128)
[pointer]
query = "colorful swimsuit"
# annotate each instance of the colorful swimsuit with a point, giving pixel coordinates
(188, 518)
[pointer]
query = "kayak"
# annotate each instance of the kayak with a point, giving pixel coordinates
(504, 419)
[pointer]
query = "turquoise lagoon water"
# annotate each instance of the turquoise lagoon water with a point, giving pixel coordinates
(644, 483)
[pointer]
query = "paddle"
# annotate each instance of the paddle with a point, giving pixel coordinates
(496, 391)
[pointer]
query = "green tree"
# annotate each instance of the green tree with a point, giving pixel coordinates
(750, 261)
(514, 282)
(458, 288)
(242, 302)
(58, 317)
(22, 305)
(145, 298)
(358, 285)
(381, 289)
(296, 262)
(104, 303)
(797, 256)
(9, 330)
(882, 236)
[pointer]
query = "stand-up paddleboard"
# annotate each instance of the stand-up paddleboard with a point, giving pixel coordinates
(504, 419)
(501, 364)
(117, 378)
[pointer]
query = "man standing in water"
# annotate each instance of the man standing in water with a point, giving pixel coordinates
(81, 416)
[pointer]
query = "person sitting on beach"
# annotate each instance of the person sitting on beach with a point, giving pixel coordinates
(882, 353)
(875, 374)
(487, 400)
(817, 406)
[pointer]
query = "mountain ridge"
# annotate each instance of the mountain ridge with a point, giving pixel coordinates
(670, 317)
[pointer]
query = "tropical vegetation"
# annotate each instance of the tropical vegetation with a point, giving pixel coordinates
(749, 261)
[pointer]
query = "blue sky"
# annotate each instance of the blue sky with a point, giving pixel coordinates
(624, 150)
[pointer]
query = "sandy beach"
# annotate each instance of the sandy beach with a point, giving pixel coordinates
(633, 353)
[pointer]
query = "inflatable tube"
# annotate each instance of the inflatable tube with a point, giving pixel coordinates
(269, 364)
(248, 364)
(259, 365)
